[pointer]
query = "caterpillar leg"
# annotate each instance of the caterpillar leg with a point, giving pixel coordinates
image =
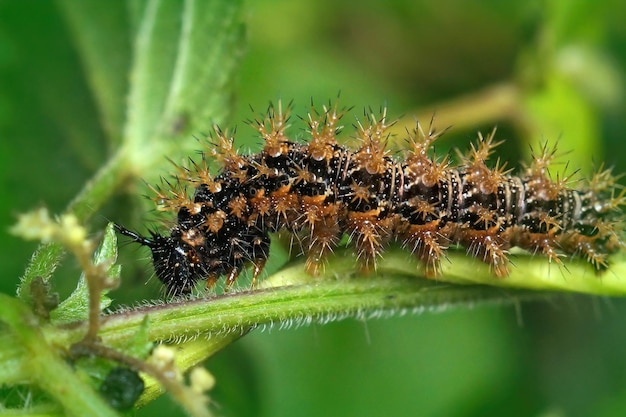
(490, 247)
(231, 277)
(258, 265)
(369, 236)
(595, 245)
(424, 242)
(323, 239)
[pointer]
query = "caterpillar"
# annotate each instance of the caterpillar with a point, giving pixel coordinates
(320, 191)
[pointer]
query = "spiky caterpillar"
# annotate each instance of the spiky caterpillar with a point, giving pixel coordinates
(321, 190)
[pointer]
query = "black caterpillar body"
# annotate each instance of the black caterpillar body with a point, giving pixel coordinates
(320, 190)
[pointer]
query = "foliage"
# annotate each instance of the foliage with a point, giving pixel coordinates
(139, 80)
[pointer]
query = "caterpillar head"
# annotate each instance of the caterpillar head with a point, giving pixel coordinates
(171, 261)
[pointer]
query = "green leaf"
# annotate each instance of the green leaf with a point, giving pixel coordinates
(45, 366)
(185, 56)
(102, 37)
(42, 264)
(76, 306)
(183, 62)
(527, 272)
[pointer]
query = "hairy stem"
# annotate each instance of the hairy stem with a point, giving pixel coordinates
(46, 367)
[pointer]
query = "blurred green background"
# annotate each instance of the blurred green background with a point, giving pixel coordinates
(539, 70)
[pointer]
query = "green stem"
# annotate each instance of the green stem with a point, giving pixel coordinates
(45, 366)
(98, 190)
(12, 361)
(321, 301)
(296, 299)
(497, 102)
(301, 301)
(188, 355)
(87, 202)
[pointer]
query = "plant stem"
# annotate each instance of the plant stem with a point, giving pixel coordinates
(322, 301)
(497, 102)
(97, 190)
(91, 197)
(47, 368)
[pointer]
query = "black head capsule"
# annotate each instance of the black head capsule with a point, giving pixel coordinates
(170, 258)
